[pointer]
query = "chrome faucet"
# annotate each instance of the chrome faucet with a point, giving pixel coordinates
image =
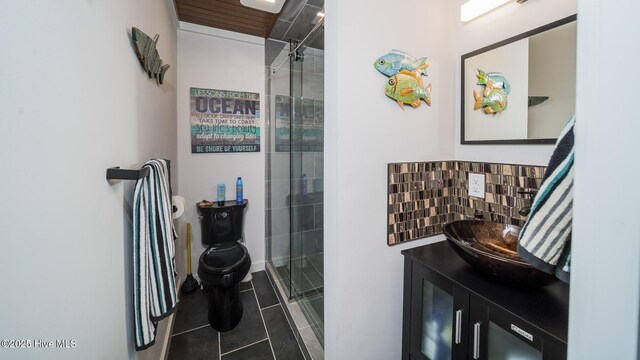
(527, 209)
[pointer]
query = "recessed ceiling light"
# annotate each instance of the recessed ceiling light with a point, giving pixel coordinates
(272, 6)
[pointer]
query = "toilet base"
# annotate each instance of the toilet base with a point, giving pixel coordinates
(225, 308)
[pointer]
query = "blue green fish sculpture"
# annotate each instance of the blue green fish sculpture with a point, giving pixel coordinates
(405, 78)
(406, 88)
(497, 79)
(492, 101)
(395, 61)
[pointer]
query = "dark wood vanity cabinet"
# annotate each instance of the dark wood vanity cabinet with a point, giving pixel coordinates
(451, 312)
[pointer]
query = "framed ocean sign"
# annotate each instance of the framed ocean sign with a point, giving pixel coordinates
(521, 90)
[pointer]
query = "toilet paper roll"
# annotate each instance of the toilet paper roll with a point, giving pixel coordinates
(178, 206)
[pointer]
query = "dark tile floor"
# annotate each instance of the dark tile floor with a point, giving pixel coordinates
(263, 332)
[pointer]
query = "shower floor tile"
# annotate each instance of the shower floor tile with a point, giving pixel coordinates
(318, 261)
(307, 275)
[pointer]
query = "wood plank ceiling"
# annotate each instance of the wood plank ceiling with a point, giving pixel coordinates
(228, 15)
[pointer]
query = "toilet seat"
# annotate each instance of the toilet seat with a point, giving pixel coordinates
(224, 258)
(224, 264)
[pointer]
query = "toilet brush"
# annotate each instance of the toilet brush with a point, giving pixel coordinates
(190, 284)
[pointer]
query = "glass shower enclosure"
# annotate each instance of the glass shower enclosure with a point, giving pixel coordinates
(294, 179)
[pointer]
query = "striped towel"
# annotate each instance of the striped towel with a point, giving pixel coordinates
(154, 292)
(545, 239)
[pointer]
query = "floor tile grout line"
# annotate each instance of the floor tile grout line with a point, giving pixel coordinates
(244, 347)
(245, 290)
(270, 306)
(190, 330)
(264, 323)
(291, 326)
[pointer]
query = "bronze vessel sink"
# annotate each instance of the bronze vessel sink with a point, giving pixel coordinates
(491, 248)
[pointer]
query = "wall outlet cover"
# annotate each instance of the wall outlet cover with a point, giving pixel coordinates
(476, 185)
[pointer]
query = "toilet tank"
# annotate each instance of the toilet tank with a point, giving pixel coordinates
(221, 223)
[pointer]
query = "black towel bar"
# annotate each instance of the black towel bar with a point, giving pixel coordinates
(115, 173)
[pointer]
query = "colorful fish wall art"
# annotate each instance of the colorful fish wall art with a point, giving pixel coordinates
(405, 72)
(494, 98)
(147, 53)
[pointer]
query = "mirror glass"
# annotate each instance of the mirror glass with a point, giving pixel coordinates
(521, 90)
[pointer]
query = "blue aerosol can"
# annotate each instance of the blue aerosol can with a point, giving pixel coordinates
(239, 191)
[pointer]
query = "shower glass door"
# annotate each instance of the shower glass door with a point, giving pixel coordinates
(294, 176)
(307, 185)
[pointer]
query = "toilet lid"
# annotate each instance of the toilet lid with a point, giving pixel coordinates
(224, 258)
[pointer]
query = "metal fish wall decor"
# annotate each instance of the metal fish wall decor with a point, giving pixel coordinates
(148, 55)
(405, 73)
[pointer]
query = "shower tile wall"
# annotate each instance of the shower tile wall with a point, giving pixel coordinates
(424, 196)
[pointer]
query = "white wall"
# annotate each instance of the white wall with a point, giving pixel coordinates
(73, 102)
(605, 278)
(364, 130)
(552, 63)
(506, 21)
(217, 59)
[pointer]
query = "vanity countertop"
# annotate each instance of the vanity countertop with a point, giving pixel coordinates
(545, 307)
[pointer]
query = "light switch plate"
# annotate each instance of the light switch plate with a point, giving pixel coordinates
(476, 185)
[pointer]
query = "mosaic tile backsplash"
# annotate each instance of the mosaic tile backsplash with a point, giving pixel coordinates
(423, 196)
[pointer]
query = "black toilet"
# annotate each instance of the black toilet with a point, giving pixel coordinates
(224, 263)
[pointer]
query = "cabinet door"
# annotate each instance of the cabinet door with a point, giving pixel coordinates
(438, 318)
(496, 334)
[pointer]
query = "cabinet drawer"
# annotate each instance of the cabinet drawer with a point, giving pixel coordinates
(499, 334)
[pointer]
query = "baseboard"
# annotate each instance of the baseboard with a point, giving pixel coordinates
(280, 261)
(257, 266)
(167, 337)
